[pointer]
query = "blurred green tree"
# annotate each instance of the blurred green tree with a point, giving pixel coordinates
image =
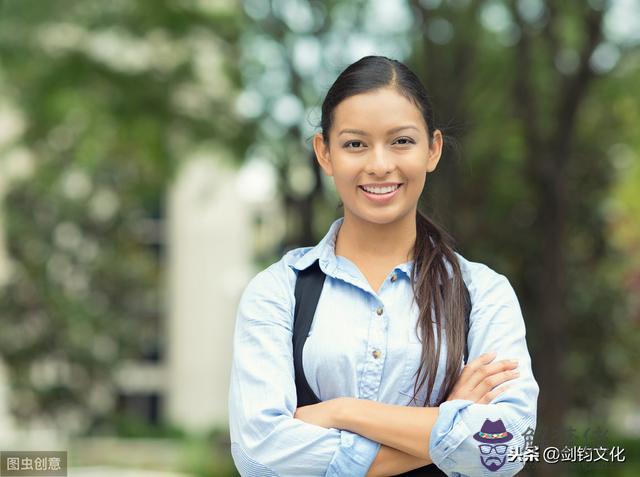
(112, 96)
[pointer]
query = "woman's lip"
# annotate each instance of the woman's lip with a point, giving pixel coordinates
(380, 197)
(381, 184)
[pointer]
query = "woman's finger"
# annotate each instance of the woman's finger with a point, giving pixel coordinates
(487, 371)
(481, 376)
(473, 366)
(491, 395)
(461, 389)
(492, 381)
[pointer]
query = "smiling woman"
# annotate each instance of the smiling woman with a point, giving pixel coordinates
(393, 306)
(371, 153)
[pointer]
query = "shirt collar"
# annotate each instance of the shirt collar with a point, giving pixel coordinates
(324, 251)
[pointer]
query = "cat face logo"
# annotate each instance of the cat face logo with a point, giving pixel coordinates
(492, 438)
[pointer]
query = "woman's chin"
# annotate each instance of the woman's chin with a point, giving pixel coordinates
(379, 217)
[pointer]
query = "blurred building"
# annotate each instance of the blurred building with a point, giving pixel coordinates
(216, 220)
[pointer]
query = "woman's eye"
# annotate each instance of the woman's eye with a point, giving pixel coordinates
(346, 146)
(407, 140)
(403, 141)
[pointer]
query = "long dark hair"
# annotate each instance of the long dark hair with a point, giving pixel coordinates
(433, 287)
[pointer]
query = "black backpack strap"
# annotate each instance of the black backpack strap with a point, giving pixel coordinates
(467, 314)
(307, 293)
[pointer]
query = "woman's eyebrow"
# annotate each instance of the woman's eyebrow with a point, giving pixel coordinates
(363, 133)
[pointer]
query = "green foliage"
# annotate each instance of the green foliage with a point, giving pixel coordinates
(209, 457)
(113, 98)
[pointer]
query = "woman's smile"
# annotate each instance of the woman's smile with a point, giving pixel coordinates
(381, 193)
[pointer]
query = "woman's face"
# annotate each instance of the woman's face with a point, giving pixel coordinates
(378, 141)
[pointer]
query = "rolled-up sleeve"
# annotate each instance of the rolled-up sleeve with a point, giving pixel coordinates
(266, 440)
(496, 325)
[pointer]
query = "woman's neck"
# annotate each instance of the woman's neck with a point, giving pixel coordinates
(389, 243)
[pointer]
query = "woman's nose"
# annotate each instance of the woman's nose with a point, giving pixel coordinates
(379, 162)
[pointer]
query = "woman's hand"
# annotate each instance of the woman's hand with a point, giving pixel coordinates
(480, 377)
(324, 414)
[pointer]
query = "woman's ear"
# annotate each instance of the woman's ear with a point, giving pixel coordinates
(322, 154)
(435, 151)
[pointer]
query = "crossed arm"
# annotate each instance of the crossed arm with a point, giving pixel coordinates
(404, 431)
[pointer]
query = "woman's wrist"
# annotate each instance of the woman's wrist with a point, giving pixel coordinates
(343, 411)
(404, 428)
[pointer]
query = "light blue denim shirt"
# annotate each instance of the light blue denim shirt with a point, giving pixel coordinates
(353, 351)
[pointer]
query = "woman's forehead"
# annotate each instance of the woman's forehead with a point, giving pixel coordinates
(377, 112)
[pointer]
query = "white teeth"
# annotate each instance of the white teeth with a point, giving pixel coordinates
(381, 190)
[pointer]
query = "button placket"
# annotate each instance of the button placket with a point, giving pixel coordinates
(372, 374)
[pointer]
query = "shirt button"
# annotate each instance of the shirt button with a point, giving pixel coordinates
(394, 277)
(376, 353)
(379, 311)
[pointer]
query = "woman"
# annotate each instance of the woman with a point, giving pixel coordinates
(385, 351)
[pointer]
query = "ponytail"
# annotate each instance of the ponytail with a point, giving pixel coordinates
(441, 301)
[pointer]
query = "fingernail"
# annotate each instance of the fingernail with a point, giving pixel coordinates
(514, 361)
